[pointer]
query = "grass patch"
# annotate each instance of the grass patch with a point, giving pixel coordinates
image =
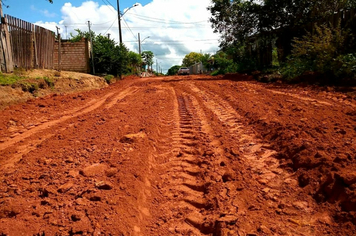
(9, 79)
(108, 78)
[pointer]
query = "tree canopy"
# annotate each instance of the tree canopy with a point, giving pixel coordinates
(173, 70)
(191, 58)
(108, 56)
(238, 19)
(147, 57)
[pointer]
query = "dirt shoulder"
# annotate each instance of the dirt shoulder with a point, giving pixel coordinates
(39, 83)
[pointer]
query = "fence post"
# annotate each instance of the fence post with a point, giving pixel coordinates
(6, 45)
(59, 49)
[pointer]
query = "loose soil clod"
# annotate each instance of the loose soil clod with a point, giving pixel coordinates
(192, 155)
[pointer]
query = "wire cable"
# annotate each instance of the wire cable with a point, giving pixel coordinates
(164, 20)
(110, 27)
(129, 28)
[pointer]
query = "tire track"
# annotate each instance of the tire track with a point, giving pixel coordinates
(106, 102)
(185, 178)
(259, 159)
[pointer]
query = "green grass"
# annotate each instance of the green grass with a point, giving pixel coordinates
(9, 79)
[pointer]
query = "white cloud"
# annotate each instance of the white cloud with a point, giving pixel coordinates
(175, 28)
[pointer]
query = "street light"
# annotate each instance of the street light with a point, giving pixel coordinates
(139, 43)
(119, 15)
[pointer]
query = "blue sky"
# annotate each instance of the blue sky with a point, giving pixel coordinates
(170, 29)
(41, 10)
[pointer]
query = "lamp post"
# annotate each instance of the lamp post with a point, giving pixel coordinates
(119, 15)
(139, 43)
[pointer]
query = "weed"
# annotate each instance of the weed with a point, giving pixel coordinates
(108, 78)
(28, 86)
(9, 79)
(49, 82)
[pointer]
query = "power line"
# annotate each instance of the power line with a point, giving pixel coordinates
(107, 1)
(147, 18)
(129, 28)
(110, 27)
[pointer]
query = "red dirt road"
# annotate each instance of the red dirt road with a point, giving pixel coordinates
(188, 155)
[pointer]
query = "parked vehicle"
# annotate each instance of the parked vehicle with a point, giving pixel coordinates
(183, 71)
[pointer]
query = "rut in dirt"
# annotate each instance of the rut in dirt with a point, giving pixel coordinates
(165, 156)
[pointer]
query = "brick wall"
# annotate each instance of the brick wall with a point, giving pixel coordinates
(74, 56)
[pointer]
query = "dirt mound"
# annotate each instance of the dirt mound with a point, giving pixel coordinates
(39, 83)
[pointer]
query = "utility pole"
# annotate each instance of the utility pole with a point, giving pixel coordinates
(59, 48)
(108, 36)
(119, 19)
(91, 48)
(156, 65)
(139, 44)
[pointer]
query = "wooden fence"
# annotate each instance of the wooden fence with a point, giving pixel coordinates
(32, 46)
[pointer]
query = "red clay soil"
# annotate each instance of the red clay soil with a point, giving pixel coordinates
(188, 155)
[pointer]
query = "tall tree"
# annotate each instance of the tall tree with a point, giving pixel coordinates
(135, 61)
(237, 20)
(148, 58)
(192, 58)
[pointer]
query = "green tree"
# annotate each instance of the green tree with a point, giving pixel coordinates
(173, 70)
(223, 63)
(191, 58)
(135, 61)
(206, 60)
(148, 58)
(108, 56)
(237, 20)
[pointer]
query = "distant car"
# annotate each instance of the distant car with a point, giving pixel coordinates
(183, 71)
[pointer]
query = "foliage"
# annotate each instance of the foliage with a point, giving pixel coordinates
(206, 61)
(315, 52)
(105, 55)
(173, 70)
(275, 61)
(148, 58)
(9, 79)
(108, 78)
(243, 62)
(236, 20)
(80, 35)
(49, 82)
(344, 67)
(192, 58)
(223, 64)
(108, 56)
(135, 62)
(28, 86)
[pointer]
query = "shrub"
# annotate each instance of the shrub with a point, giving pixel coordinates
(344, 68)
(319, 52)
(49, 82)
(108, 78)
